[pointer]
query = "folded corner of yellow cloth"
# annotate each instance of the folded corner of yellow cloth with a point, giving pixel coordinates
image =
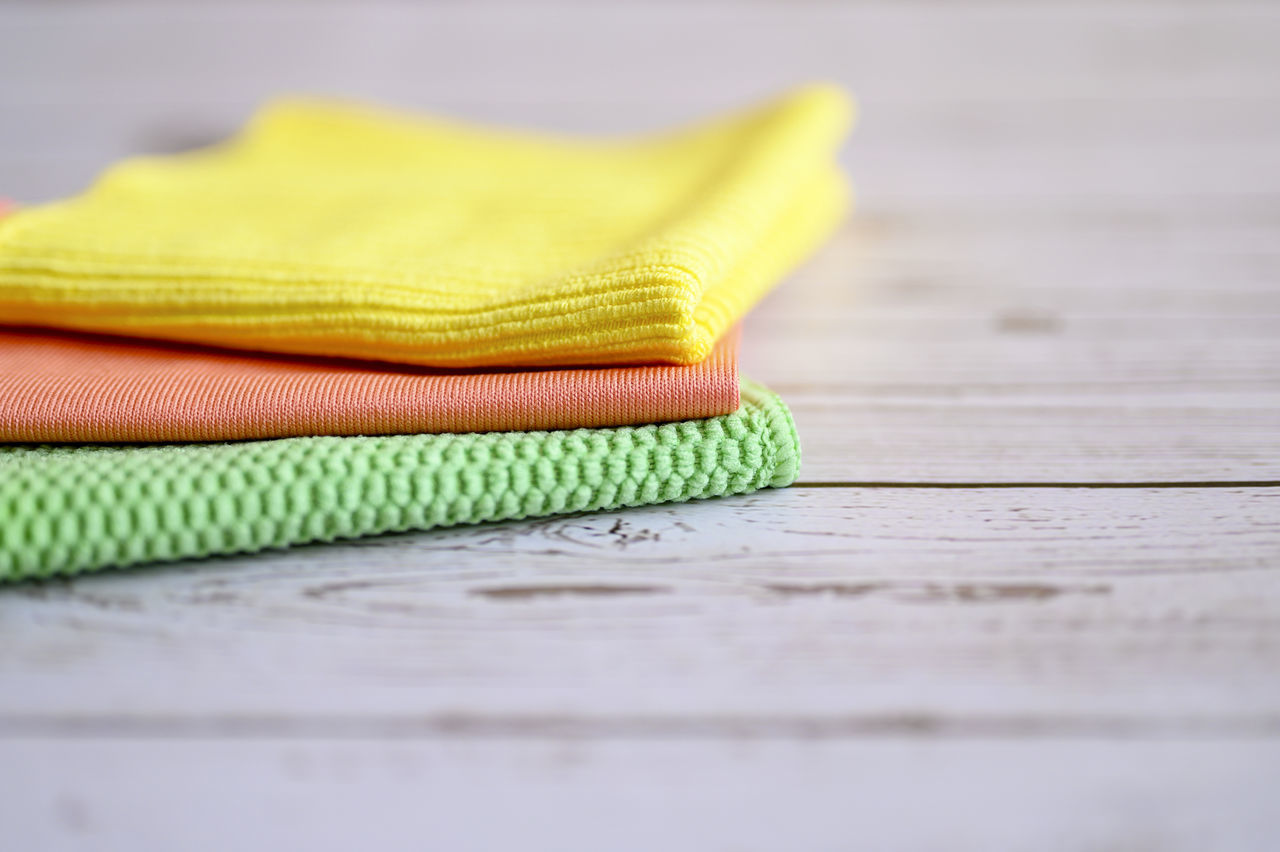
(338, 230)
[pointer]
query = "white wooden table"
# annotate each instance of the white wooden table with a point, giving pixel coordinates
(1025, 596)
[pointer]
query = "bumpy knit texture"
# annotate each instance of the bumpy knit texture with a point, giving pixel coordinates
(65, 510)
(75, 387)
(337, 230)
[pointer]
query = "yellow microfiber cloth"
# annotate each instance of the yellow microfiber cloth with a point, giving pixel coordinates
(332, 229)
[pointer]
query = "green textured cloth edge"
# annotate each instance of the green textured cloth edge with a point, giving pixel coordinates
(66, 510)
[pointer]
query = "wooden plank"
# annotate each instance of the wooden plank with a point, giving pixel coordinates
(968, 434)
(909, 609)
(710, 52)
(629, 795)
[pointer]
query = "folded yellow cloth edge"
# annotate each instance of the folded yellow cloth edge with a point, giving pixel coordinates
(679, 322)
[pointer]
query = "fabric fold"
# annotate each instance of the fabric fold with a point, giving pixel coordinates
(72, 509)
(60, 387)
(329, 229)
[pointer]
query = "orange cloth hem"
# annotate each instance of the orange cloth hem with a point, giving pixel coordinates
(62, 387)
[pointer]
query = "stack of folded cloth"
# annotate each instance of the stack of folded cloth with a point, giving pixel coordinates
(346, 322)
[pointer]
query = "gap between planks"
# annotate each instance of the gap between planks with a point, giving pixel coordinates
(621, 727)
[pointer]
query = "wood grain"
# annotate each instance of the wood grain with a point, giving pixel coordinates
(937, 608)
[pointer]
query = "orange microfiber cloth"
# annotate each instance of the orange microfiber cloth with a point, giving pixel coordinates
(65, 387)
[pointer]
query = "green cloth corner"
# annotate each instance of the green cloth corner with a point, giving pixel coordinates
(70, 509)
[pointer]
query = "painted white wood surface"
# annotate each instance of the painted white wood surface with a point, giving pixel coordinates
(1064, 272)
(1054, 609)
(1059, 795)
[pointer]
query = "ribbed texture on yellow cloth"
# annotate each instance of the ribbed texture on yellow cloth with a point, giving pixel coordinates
(330, 229)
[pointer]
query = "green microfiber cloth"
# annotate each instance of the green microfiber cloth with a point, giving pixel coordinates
(69, 509)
